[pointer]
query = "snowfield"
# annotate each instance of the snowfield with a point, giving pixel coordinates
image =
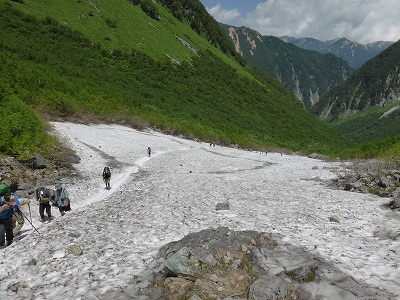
(158, 199)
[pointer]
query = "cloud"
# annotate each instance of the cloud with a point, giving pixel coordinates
(223, 15)
(362, 21)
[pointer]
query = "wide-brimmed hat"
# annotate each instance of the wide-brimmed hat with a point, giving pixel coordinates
(58, 185)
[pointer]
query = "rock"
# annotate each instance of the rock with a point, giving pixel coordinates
(334, 219)
(223, 206)
(315, 156)
(32, 262)
(394, 204)
(37, 162)
(214, 278)
(262, 274)
(195, 297)
(267, 288)
(210, 259)
(183, 263)
(75, 250)
(236, 263)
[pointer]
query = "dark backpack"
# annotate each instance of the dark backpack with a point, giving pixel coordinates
(106, 172)
(4, 189)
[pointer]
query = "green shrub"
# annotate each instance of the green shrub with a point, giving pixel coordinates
(21, 131)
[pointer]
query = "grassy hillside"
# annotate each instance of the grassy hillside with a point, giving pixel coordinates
(376, 83)
(111, 60)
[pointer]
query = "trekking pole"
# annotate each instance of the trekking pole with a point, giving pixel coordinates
(30, 215)
(29, 221)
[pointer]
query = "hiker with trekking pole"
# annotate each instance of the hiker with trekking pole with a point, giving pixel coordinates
(17, 217)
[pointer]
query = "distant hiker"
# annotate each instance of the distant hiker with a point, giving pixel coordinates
(107, 177)
(43, 195)
(18, 220)
(149, 152)
(6, 211)
(62, 198)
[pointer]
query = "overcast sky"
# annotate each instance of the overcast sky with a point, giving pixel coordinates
(362, 21)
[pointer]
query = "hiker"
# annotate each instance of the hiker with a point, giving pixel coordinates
(62, 198)
(107, 177)
(6, 211)
(18, 220)
(148, 151)
(43, 195)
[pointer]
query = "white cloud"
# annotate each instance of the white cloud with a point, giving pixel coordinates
(363, 21)
(223, 15)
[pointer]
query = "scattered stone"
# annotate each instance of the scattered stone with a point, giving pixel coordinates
(32, 262)
(223, 206)
(75, 250)
(214, 278)
(334, 219)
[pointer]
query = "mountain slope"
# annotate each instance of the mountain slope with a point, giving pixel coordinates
(354, 53)
(369, 96)
(124, 66)
(307, 74)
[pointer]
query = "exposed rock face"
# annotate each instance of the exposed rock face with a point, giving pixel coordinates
(225, 264)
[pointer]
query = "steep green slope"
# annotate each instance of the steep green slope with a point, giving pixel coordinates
(308, 74)
(363, 106)
(56, 69)
(371, 124)
(376, 83)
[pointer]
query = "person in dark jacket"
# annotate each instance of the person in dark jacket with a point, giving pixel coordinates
(7, 204)
(43, 195)
(107, 177)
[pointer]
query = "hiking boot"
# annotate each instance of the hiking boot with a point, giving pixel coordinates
(9, 242)
(42, 220)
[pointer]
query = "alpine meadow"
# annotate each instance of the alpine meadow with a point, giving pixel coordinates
(144, 64)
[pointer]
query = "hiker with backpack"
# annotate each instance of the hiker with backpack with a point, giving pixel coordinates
(18, 220)
(149, 152)
(62, 198)
(107, 177)
(43, 195)
(7, 204)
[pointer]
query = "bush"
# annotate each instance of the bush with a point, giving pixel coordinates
(20, 129)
